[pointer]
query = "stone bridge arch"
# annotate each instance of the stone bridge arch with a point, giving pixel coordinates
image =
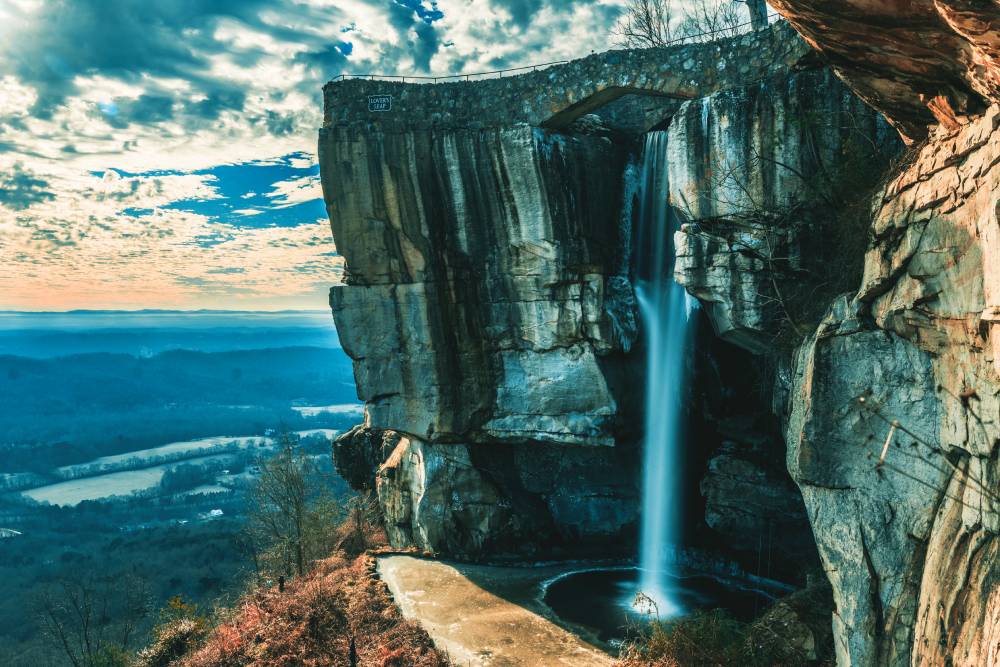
(559, 94)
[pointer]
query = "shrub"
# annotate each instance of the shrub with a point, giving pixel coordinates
(785, 636)
(702, 639)
(312, 623)
(171, 642)
(179, 630)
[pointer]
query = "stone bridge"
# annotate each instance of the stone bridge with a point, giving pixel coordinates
(556, 96)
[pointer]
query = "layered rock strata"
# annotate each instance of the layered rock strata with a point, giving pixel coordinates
(921, 62)
(485, 282)
(911, 545)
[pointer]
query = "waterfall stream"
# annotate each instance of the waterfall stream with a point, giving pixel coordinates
(665, 308)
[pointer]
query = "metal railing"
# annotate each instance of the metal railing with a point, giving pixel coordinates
(448, 77)
(731, 31)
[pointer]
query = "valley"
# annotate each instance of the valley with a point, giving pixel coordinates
(90, 485)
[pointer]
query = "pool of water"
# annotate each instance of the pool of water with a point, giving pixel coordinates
(603, 601)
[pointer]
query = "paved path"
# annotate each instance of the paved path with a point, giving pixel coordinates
(487, 616)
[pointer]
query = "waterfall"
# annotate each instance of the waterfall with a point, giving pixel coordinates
(665, 308)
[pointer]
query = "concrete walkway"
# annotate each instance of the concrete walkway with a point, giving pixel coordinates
(486, 616)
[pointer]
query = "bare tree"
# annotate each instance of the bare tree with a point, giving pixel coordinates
(646, 23)
(93, 620)
(712, 19)
(292, 514)
(654, 23)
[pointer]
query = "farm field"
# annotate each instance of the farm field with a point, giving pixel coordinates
(340, 409)
(174, 451)
(117, 482)
(124, 483)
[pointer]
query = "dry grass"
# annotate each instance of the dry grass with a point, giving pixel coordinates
(311, 624)
(709, 639)
(781, 637)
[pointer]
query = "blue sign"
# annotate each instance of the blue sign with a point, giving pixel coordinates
(380, 102)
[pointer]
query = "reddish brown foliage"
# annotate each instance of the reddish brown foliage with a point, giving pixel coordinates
(311, 623)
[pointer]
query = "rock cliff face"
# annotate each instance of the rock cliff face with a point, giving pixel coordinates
(490, 312)
(485, 282)
(754, 172)
(892, 406)
(497, 500)
(921, 62)
(489, 307)
(487, 304)
(912, 546)
(755, 175)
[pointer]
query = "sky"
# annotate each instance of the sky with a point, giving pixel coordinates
(161, 153)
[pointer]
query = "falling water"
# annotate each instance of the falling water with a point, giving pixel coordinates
(665, 309)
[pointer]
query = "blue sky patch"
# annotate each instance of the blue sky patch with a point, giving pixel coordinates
(247, 194)
(427, 14)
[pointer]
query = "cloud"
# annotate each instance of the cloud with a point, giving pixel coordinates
(160, 152)
(415, 22)
(126, 39)
(148, 77)
(521, 11)
(19, 189)
(296, 190)
(95, 249)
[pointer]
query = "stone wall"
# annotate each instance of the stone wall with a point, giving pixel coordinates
(557, 95)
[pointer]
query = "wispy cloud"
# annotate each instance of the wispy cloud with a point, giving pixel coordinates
(161, 153)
